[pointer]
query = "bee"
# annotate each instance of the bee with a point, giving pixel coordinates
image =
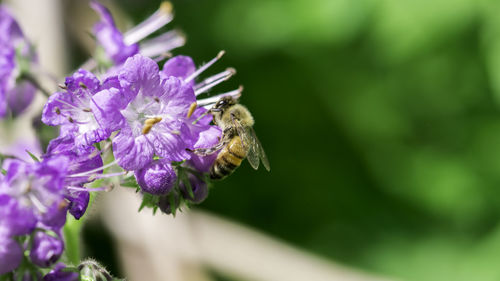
(238, 139)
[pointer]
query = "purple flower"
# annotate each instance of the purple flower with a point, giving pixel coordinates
(75, 108)
(61, 273)
(110, 38)
(151, 120)
(14, 96)
(77, 195)
(156, 178)
(46, 249)
(38, 187)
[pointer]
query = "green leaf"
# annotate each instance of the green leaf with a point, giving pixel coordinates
(3, 171)
(171, 199)
(185, 179)
(130, 182)
(33, 156)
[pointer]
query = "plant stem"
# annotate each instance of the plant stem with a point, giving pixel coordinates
(72, 230)
(30, 78)
(72, 239)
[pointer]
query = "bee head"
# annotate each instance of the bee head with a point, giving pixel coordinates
(224, 103)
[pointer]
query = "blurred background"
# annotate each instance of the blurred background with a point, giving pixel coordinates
(380, 119)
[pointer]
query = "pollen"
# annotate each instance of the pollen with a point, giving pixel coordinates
(191, 110)
(148, 124)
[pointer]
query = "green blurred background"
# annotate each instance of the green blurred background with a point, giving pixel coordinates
(381, 122)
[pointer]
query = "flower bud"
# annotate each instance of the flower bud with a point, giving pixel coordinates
(198, 187)
(156, 178)
(61, 273)
(46, 249)
(165, 203)
(92, 270)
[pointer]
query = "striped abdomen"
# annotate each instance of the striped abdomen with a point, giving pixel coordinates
(228, 159)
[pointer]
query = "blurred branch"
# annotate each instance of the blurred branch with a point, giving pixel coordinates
(167, 248)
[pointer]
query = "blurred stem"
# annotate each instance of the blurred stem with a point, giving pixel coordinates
(72, 234)
(30, 78)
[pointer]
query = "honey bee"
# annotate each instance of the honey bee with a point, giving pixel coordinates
(238, 139)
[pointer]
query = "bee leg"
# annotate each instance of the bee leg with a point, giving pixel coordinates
(210, 150)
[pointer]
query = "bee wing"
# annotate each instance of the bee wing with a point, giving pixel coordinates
(253, 151)
(248, 142)
(257, 150)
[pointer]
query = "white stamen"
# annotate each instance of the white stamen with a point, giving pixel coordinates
(154, 22)
(208, 101)
(204, 67)
(163, 44)
(212, 81)
(88, 173)
(229, 71)
(69, 104)
(102, 176)
(37, 203)
(94, 189)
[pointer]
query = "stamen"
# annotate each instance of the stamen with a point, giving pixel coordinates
(37, 203)
(199, 117)
(90, 172)
(58, 110)
(102, 176)
(162, 44)
(154, 22)
(63, 204)
(162, 56)
(94, 189)
(212, 81)
(191, 110)
(148, 124)
(204, 67)
(234, 93)
(175, 132)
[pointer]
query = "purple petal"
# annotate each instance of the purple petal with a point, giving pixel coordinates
(140, 76)
(168, 142)
(106, 108)
(59, 274)
(52, 114)
(15, 219)
(178, 97)
(79, 201)
(11, 254)
(132, 153)
(178, 66)
(82, 78)
(110, 38)
(20, 97)
(206, 138)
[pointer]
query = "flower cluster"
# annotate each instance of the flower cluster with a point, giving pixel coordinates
(123, 120)
(16, 59)
(34, 201)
